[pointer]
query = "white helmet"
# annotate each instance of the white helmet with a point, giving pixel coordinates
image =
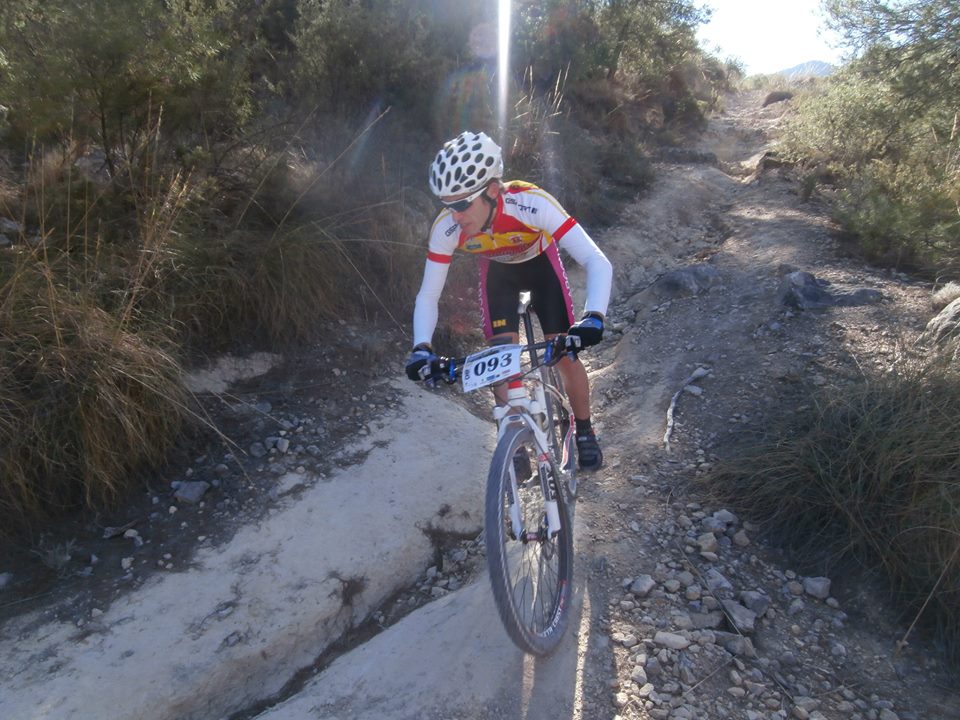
(467, 162)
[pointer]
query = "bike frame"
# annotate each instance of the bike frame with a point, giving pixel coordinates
(523, 409)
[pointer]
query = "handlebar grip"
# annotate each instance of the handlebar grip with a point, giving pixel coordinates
(561, 345)
(443, 368)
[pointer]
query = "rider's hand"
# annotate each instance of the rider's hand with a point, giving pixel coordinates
(589, 329)
(419, 362)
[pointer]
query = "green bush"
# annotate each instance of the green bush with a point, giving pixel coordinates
(846, 123)
(897, 170)
(870, 473)
(885, 132)
(905, 215)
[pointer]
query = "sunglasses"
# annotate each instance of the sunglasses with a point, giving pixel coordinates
(462, 205)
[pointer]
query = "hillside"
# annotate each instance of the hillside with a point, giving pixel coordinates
(812, 68)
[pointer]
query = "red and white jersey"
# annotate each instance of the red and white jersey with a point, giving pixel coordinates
(527, 221)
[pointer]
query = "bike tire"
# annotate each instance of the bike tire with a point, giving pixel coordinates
(531, 579)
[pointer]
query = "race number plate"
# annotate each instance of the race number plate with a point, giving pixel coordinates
(490, 366)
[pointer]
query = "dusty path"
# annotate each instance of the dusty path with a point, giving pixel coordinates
(658, 571)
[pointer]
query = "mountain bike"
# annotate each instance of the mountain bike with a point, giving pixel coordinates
(528, 518)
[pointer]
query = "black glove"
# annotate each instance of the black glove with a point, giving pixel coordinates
(419, 362)
(589, 329)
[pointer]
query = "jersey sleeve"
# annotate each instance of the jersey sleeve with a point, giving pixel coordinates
(548, 214)
(426, 310)
(580, 246)
(539, 209)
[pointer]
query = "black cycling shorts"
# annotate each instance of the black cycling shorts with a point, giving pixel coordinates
(545, 278)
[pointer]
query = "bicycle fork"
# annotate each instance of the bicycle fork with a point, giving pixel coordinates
(521, 409)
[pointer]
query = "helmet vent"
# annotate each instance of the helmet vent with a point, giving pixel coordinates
(464, 163)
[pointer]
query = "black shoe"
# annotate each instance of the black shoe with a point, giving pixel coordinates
(521, 465)
(589, 454)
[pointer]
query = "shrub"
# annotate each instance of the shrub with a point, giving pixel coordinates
(903, 215)
(896, 165)
(110, 73)
(86, 402)
(873, 473)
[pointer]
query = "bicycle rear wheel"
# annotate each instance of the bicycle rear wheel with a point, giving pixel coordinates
(531, 573)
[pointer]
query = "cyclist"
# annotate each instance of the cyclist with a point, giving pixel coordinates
(515, 228)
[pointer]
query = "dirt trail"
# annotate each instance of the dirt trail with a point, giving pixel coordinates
(660, 574)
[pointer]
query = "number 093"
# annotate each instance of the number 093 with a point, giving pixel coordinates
(490, 366)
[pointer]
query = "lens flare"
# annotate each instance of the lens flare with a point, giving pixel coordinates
(503, 65)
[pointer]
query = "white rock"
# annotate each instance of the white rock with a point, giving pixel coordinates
(708, 543)
(818, 587)
(716, 581)
(744, 618)
(725, 516)
(642, 586)
(671, 640)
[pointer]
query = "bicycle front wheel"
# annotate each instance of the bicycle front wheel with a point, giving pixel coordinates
(531, 568)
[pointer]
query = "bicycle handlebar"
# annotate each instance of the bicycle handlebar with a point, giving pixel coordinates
(449, 369)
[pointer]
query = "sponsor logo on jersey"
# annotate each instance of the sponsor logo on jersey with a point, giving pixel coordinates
(473, 245)
(498, 252)
(527, 208)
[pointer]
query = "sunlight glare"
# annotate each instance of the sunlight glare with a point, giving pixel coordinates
(503, 65)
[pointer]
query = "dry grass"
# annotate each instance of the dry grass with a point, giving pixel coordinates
(871, 473)
(83, 401)
(944, 296)
(111, 287)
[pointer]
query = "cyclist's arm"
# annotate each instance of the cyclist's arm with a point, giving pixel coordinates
(443, 241)
(584, 250)
(426, 310)
(541, 209)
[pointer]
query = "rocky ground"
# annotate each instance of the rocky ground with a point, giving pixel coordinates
(732, 303)
(708, 620)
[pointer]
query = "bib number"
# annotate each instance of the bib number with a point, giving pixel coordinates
(490, 366)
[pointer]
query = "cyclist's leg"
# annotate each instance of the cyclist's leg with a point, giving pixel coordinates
(577, 385)
(500, 286)
(553, 303)
(555, 309)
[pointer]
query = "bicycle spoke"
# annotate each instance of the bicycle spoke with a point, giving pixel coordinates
(534, 566)
(530, 571)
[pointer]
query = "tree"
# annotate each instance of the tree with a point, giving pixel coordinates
(648, 38)
(915, 43)
(111, 73)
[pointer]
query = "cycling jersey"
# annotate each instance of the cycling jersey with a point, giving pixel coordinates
(527, 222)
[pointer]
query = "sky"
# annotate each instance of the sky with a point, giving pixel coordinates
(768, 35)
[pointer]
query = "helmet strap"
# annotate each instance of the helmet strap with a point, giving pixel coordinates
(493, 208)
